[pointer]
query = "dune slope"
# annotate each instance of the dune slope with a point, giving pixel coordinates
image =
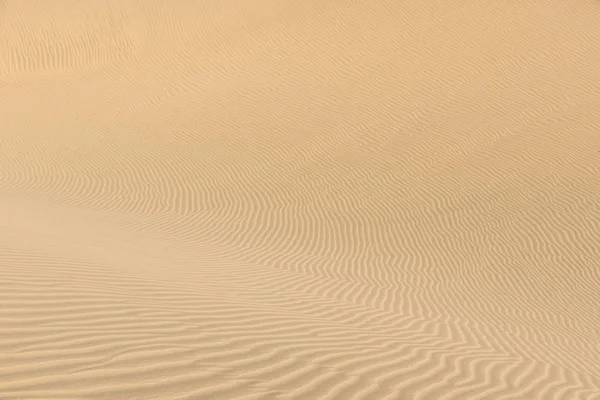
(299, 200)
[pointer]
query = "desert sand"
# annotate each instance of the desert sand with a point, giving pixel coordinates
(242, 199)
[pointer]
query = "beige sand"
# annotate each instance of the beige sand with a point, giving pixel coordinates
(243, 199)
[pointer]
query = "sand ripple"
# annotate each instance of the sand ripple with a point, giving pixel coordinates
(299, 200)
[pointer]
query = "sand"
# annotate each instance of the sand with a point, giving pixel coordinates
(242, 199)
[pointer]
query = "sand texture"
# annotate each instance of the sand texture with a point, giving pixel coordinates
(299, 199)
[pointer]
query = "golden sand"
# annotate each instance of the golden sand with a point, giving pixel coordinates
(276, 199)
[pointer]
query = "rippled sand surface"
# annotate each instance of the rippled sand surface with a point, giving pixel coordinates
(277, 199)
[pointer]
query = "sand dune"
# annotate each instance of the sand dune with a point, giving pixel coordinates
(299, 200)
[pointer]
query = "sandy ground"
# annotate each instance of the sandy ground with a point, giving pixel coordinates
(277, 199)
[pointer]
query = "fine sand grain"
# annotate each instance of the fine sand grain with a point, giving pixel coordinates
(277, 199)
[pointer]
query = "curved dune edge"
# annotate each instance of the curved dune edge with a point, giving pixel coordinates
(299, 200)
